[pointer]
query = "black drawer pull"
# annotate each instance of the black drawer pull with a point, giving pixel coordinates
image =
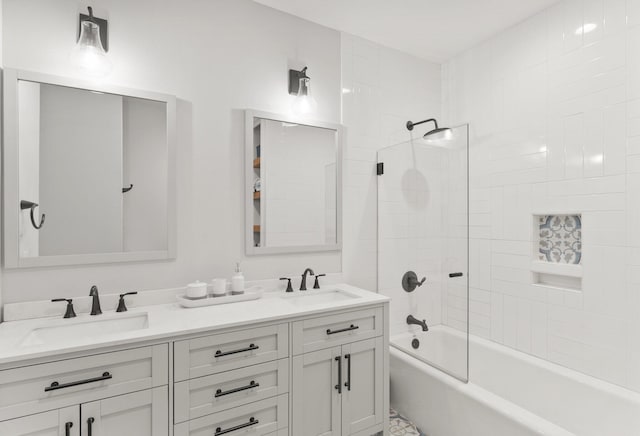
(452, 275)
(347, 329)
(251, 422)
(251, 347)
(90, 422)
(221, 393)
(67, 428)
(55, 385)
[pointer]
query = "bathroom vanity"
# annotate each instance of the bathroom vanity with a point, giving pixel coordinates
(304, 363)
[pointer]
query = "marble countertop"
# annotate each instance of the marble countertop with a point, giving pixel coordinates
(168, 321)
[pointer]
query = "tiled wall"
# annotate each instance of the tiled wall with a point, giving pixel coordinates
(554, 116)
(411, 229)
(382, 89)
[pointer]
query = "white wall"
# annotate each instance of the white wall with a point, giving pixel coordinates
(382, 90)
(554, 121)
(218, 57)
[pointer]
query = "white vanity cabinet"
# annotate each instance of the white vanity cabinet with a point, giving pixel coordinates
(234, 382)
(111, 394)
(339, 390)
(325, 374)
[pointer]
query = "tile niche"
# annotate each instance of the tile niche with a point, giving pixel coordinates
(557, 247)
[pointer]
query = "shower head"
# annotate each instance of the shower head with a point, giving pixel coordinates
(441, 134)
(437, 134)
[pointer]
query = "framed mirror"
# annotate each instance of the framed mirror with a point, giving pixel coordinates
(293, 185)
(89, 173)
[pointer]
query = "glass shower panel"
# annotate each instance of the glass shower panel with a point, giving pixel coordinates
(423, 228)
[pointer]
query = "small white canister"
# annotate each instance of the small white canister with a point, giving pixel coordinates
(197, 289)
(219, 287)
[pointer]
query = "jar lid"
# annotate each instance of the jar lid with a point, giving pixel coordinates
(196, 284)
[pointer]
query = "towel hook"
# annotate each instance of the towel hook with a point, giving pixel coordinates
(24, 204)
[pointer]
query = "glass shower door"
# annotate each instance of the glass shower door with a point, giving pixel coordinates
(423, 228)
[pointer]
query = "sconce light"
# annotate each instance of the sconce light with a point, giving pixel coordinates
(90, 52)
(299, 86)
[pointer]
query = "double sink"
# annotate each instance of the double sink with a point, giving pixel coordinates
(60, 329)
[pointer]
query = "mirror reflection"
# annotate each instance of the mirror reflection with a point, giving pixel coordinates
(93, 172)
(294, 192)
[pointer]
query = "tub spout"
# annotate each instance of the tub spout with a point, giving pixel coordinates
(413, 320)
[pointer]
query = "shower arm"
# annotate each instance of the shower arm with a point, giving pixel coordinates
(411, 125)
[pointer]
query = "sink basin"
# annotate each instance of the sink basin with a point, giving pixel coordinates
(309, 298)
(65, 330)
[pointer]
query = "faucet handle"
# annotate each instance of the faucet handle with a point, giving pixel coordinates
(289, 287)
(69, 313)
(316, 285)
(122, 307)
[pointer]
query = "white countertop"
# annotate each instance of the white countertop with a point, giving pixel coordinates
(168, 321)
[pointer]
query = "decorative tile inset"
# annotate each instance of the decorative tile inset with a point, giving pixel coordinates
(560, 239)
(401, 426)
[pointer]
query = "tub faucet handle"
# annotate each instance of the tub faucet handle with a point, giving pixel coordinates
(410, 281)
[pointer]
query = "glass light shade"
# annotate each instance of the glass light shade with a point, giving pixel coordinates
(304, 102)
(88, 54)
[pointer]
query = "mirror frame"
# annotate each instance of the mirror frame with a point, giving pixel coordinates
(11, 201)
(250, 249)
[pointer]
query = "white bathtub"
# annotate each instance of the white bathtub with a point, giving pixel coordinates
(509, 393)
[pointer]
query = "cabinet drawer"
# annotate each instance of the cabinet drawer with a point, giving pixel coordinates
(48, 386)
(329, 331)
(261, 418)
(217, 353)
(206, 395)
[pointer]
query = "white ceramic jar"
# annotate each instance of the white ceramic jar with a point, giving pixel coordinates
(197, 289)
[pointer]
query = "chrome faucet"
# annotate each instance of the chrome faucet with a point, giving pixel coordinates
(95, 304)
(303, 283)
(413, 320)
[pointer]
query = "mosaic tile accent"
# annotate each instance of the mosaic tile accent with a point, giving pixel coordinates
(560, 239)
(401, 426)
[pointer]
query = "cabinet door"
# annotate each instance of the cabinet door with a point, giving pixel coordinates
(143, 413)
(61, 422)
(362, 393)
(316, 401)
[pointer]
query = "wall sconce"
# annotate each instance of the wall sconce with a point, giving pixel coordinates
(299, 86)
(90, 52)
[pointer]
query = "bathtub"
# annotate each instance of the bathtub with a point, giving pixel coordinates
(509, 392)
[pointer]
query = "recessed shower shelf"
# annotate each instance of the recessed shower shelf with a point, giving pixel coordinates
(557, 275)
(560, 269)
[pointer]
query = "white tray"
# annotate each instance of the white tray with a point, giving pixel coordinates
(249, 294)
